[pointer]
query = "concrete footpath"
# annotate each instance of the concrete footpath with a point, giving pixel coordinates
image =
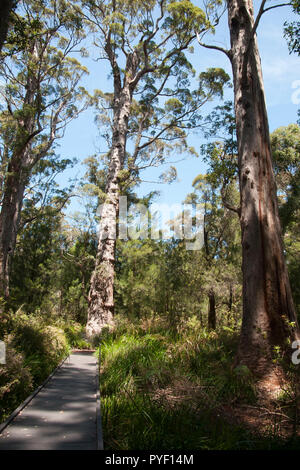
(62, 416)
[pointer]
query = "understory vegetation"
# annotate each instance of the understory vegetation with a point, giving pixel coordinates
(170, 391)
(197, 310)
(35, 345)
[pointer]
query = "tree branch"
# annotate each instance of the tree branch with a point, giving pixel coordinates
(217, 48)
(226, 204)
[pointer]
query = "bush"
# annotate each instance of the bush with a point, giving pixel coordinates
(74, 333)
(42, 346)
(33, 349)
(16, 381)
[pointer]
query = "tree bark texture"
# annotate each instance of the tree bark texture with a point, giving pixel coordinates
(101, 295)
(9, 220)
(16, 178)
(269, 317)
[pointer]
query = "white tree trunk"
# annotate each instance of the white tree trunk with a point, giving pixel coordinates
(101, 295)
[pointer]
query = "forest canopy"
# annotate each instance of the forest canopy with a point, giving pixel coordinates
(96, 255)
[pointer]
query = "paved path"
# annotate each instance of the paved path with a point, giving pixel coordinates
(62, 415)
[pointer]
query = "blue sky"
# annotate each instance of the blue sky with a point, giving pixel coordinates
(281, 72)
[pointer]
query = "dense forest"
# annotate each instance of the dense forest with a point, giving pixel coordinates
(198, 318)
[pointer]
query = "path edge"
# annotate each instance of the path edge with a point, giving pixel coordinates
(17, 411)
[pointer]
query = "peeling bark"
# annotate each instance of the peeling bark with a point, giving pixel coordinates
(101, 295)
(268, 308)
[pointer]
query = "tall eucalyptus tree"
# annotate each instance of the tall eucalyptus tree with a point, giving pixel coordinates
(41, 96)
(152, 107)
(269, 317)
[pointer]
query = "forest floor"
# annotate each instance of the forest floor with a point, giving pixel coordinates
(267, 417)
(161, 387)
(161, 390)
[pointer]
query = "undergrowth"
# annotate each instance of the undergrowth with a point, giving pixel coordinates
(35, 345)
(168, 391)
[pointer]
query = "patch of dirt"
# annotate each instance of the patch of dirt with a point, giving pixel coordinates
(179, 392)
(260, 419)
(267, 416)
(271, 385)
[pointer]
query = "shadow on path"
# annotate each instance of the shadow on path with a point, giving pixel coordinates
(62, 416)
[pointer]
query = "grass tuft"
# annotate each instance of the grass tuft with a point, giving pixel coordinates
(166, 391)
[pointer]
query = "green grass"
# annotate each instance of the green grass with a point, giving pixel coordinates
(141, 370)
(75, 333)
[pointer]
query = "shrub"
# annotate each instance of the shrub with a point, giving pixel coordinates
(16, 381)
(33, 350)
(74, 333)
(42, 345)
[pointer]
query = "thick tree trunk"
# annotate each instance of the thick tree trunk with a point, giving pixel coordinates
(15, 184)
(101, 295)
(17, 175)
(268, 309)
(211, 310)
